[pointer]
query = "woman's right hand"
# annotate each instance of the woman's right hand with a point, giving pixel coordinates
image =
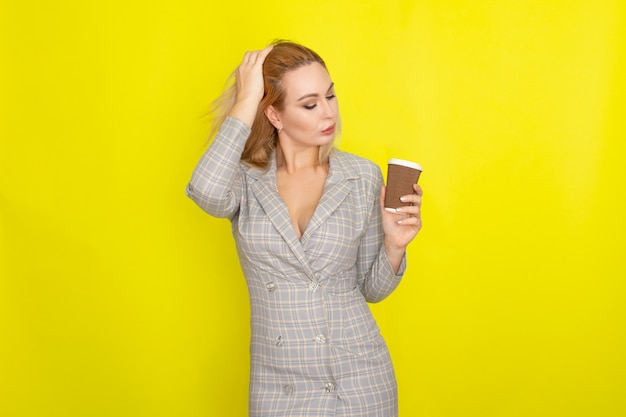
(249, 84)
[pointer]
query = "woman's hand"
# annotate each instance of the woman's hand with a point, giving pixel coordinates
(249, 84)
(401, 225)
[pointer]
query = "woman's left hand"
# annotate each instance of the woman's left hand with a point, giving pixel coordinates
(401, 225)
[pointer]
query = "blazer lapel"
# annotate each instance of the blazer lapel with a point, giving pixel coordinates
(337, 187)
(264, 188)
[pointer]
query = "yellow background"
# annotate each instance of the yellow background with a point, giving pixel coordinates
(119, 297)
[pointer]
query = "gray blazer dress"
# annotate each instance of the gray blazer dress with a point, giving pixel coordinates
(316, 349)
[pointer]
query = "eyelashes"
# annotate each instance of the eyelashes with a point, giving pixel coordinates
(312, 106)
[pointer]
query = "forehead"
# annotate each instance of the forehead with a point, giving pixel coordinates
(309, 79)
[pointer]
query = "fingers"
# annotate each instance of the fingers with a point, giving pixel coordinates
(264, 52)
(249, 58)
(410, 221)
(256, 57)
(410, 214)
(406, 199)
(408, 210)
(249, 85)
(405, 221)
(407, 215)
(413, 201)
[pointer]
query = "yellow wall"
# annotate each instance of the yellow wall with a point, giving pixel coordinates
(118, 297)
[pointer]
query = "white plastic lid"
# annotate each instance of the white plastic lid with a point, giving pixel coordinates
(409, 164)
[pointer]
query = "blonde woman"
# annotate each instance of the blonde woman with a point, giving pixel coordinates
(313, 240)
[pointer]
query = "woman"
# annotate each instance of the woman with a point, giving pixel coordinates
(313, 240)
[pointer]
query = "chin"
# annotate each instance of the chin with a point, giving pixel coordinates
(327, 139)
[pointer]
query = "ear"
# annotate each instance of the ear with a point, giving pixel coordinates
(272, 116)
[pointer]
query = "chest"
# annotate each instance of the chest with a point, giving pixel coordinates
(266, 237)
(301, 193)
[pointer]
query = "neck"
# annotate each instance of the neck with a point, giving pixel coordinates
(293, 160)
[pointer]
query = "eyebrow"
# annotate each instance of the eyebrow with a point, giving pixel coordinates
(315, 94)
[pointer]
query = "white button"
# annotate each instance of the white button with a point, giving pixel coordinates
(314, 286)
(279, 341)
(287, 389)
(270, 286)
(320, 338)
(329, 387)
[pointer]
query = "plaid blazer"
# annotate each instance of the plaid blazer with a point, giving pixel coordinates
(316, 349)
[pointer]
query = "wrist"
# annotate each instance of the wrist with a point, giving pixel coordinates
(394, 251)
(391, 248)
(245, 110)
(395, 255)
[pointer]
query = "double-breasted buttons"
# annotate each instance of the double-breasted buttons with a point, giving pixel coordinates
(320, 338)
(329, 387)
(287, 389)
(270, 287)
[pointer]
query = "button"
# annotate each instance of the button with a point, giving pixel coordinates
(279, 341)
(329, 387)
(314, 286)
(320, 338)
(287, 389)
(270, 286)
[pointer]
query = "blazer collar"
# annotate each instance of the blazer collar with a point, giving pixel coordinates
(339, 183)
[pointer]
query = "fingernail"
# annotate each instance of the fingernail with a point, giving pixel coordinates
(403, 198)
(391, 210)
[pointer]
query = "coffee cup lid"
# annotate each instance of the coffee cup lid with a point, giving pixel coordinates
(402, 162)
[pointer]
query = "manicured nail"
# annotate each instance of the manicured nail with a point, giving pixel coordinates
(403, 198)
(391, 210)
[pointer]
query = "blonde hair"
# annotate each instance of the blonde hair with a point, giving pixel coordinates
(285, 56)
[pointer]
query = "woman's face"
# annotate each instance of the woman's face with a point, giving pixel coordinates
(310, 109)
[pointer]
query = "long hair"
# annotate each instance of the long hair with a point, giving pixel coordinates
(286, 56)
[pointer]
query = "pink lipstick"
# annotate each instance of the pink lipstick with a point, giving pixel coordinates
(329, 131)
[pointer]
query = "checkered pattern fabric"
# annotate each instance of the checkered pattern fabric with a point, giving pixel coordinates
(316, 349)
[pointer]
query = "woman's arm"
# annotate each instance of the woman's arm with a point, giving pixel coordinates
(215, 184)
(401, 225)
(250, 89)
(382, 254)
(377, 276)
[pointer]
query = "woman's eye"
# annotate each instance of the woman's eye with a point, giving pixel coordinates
(312, 106)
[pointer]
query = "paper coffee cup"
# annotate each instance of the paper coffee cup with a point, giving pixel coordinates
(401, 175)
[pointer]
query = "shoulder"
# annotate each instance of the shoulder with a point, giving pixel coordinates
(354, 166)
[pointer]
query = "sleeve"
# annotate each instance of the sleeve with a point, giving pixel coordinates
(377, 279)
(216, 182)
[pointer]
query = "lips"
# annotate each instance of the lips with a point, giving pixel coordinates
(329, 130)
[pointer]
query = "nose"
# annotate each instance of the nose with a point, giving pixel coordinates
(329, 108)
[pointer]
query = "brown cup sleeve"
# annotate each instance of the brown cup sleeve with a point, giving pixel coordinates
(400, 180)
